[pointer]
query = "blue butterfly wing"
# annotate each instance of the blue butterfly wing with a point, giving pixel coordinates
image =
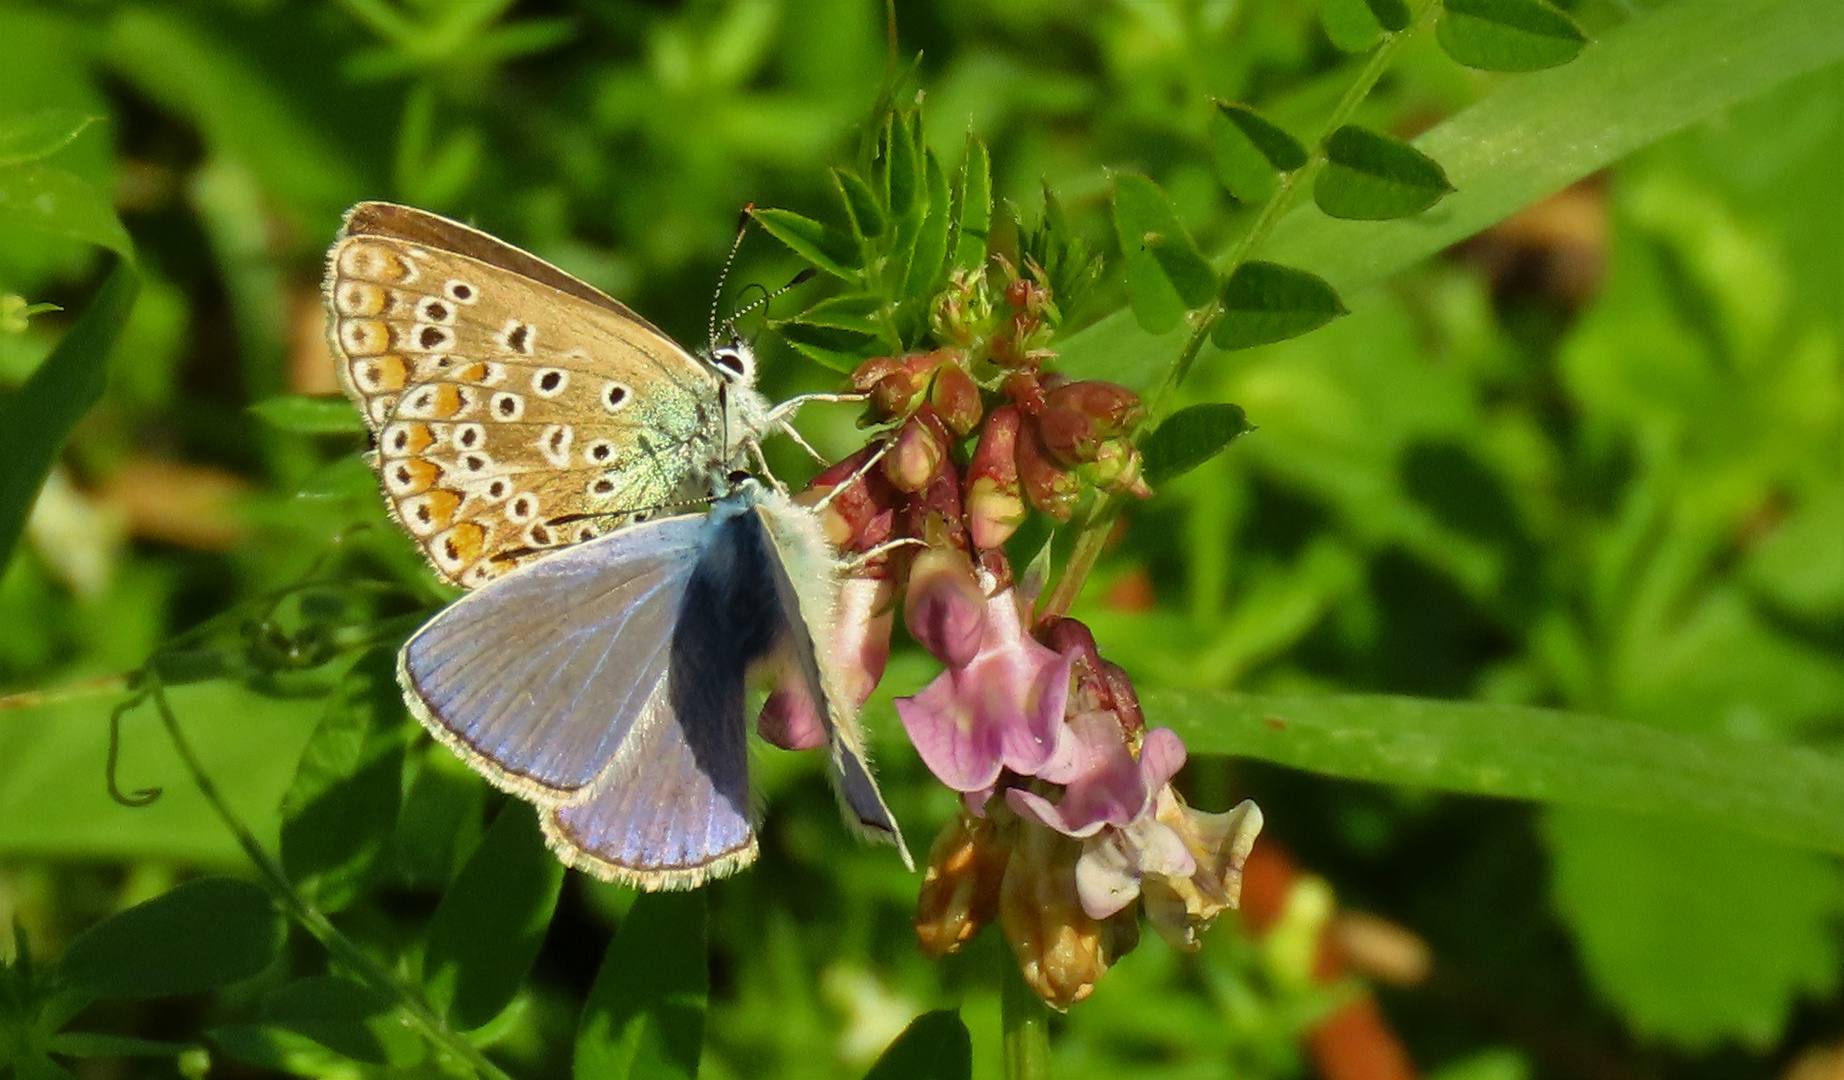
(539, 678)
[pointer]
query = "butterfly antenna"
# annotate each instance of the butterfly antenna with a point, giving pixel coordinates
(768, 298)
(723, 276)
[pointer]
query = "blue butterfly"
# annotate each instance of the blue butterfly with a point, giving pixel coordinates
(606, 683)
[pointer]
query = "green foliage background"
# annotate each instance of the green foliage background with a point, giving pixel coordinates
(1594, 463)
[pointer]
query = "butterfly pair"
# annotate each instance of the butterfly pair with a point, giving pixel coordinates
(525, 425)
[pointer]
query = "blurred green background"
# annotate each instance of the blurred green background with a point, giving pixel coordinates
(1591, 458)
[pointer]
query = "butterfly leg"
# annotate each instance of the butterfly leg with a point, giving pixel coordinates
(869, 464)
(785, 411)
(854, 566)
(788, 430)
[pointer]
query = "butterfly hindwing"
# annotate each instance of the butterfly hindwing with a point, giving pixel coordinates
(676, 810)
(515, 408)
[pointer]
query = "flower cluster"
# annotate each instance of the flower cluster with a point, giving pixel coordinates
(1069, 821)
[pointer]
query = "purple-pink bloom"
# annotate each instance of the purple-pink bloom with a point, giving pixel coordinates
(1106, 786)
(944, 608)
(1001, 710)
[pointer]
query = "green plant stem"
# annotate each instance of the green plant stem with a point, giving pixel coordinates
(1025, 1020)
(1093, 536)
(1281, 200)
(1090, 541)
(310, 917)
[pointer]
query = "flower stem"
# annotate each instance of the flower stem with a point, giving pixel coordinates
(311, 918)
(1282, 198)
(1094, 534)
(1026, 1023)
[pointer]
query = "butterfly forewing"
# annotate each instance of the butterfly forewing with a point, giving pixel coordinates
(515, 408)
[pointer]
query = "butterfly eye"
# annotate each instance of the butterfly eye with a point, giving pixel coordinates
(732, 362)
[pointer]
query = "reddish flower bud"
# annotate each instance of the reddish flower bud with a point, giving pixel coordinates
(1071, 437)
(1026, 390)
(1114, 408)
(944, 608)
(933, 515)
(863, 515)
(995, 507)
(1049, 488)
(956, 398)
(1018, 293)
(918, 451)
(1126, 700)
(872, 371)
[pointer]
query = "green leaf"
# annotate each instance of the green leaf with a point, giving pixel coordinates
(345, 1017)
(96, 1044)
(40, 134)
(931, 250)
(1158, 249)
(1698, 935)
(37, 418)
(841, 348)
(1795, 796)
(207, 933)
(1508, 35)
(821, 245)
(54, 805)
(908, 172)
(1391, 15)
(1282, 152)
(644, 1017)
(1265, 302)
(439, 825)
(339, 813)
(857, 313)
(935, 1046)
(48, 199)
(860, 203)
(277, 1049)
(1369, 176)
(972, 205)
(487, 930)
(310, 415)
(1351, 25)
(1190, 437)
(1532, 136)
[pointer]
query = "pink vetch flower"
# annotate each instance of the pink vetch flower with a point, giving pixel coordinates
(857, 652)
(1003, 709)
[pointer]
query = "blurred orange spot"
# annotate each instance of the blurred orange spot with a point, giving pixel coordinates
(1132, 591)
(1357, 1043)
(192, 506)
